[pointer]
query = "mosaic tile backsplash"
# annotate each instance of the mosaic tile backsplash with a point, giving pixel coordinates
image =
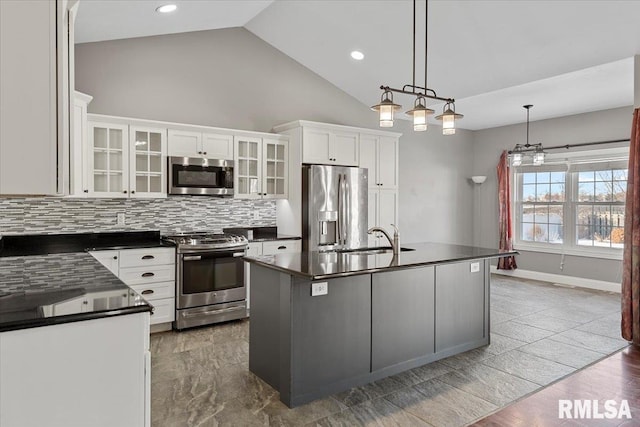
(174, 214)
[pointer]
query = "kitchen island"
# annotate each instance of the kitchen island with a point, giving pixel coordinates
(322, 323)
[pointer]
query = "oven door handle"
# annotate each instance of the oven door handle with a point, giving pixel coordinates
(192, 258)
(218, 311)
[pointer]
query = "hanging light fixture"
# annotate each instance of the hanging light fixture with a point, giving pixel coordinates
(448, 118)
(520, 150)
(386, 109)
(420, 112)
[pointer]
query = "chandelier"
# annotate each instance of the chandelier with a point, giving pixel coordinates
(534, 150)
(420, 112)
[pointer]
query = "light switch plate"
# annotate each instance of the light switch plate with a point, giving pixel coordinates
(475, 267)
(319, 288)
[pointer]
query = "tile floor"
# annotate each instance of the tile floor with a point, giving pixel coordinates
(539, 333)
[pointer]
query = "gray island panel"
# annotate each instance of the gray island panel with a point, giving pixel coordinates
(402, 319)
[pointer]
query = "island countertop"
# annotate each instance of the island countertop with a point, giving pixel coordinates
(326, 265)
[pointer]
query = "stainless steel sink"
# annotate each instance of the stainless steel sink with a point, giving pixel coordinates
(373, 251)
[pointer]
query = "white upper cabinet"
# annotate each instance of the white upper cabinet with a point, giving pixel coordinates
(217, 146)
(125, 161)
(147, 151)
(200, 144)
(261, 168)
(379, 154)
(108, 160)
(326, 146)
(31, 119)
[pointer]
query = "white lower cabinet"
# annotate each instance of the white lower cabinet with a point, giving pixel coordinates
(268, 248)
(383, 211)
(151, 272)
(87, 373)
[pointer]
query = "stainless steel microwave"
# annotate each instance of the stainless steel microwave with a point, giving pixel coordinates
(195, 175)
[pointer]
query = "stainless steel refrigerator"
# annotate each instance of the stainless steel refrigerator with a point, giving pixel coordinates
(334, 207)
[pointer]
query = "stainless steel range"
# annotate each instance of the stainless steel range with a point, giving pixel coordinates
(210, 285)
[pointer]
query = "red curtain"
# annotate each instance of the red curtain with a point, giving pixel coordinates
(504, 213)
(631, 255)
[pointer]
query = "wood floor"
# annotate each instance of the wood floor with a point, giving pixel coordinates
(616, 378)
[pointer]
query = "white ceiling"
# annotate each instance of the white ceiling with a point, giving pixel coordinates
(492, 56)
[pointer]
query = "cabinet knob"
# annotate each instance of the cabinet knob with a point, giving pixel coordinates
(205, 153)
(199, 152)
(86, 191)
(125, 191)
(115, 257)
(133, 191)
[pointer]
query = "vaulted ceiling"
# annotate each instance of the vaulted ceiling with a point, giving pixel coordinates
(492, 56)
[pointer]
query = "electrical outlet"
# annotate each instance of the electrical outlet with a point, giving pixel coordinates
(319, 288)
(120, 219)
(475, 267)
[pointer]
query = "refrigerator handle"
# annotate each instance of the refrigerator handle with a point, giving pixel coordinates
(339, 240)
(345, 207)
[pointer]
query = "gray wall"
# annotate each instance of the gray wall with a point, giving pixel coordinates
(487, 146)
(231, 78)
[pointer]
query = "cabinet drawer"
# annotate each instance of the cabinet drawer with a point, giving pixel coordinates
(156, 291)
(281, 247)
(164, 310)
(144, 275)
(149, 256)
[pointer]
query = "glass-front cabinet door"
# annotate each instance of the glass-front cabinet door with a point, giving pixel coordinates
(108, 158)
(274, 165)
(147, 148)
(248, 168)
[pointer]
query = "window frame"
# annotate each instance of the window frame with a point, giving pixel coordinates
(569, 246)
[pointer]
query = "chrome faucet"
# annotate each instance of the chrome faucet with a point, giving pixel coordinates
(395, 243)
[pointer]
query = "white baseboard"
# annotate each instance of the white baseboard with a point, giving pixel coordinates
(560, 279)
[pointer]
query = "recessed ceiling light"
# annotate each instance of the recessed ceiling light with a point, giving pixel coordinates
(357, 55)
(167, 8)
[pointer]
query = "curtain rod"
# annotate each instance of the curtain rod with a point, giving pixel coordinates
(568, 146)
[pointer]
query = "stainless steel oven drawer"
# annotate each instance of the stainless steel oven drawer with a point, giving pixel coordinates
(199, 316)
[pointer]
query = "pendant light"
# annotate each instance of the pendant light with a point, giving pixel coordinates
(386, 109)
(420, 112)
(520, 150)
(448, 118)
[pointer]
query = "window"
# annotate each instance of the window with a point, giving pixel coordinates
(575, 205)
(600, 208)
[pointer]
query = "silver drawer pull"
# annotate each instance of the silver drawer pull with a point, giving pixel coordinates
(148, 274)
(191, 258)
(148, 257)
(219, 311)
(147, 292)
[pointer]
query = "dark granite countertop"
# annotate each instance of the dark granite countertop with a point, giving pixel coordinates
(260, 234)
(41, 290)
(41, 244)
(325, 265)
(51, 279)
